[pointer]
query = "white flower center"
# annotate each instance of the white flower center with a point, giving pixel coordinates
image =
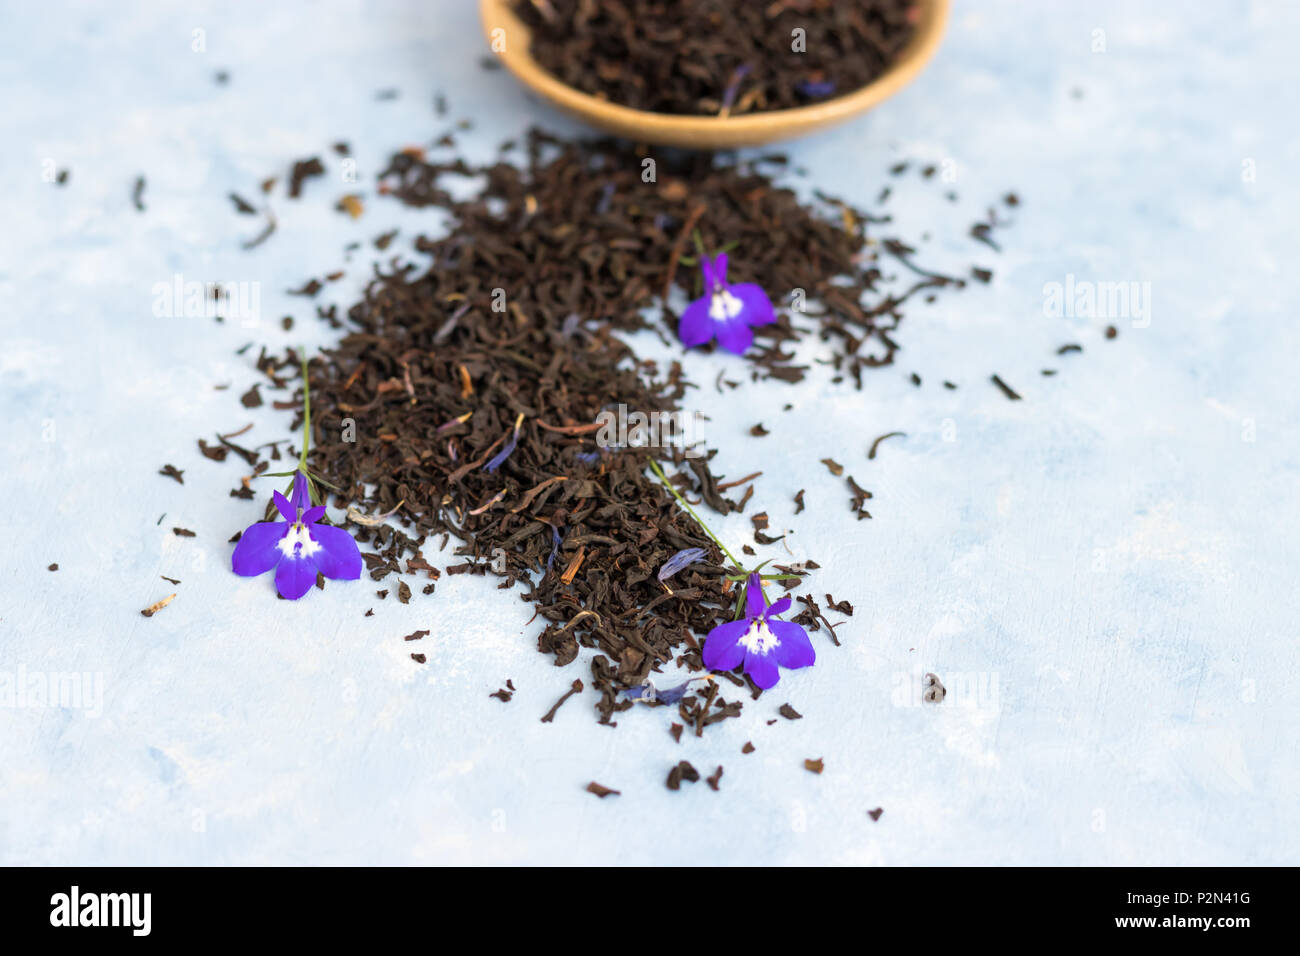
(724, 306)
(759, 639)
(298, 535)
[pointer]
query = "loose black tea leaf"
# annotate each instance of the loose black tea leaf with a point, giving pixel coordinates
(600, 790)
(574, 688)
(789, 713)
(303, 170)
(816, 766)
(171, 471)
(1007, 390)
(859, 499)
(683, 771)
(875, 814)
(876, 444)
(308, 289)
(154, 608)
(264, 235)
(53, 567)
(242, 205)
(811, 617)
(844, 607)
(183, 532)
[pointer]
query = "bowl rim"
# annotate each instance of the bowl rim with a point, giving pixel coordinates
(680, 126)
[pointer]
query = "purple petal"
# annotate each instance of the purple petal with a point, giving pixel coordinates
(339, 557)
(301, 497)
(762, 668)
(706, 270)
(696, 326)
(756, 307)
(258, 549)
(681, 559)
(721, 650)
(795, 649)
(778, 607)
(754, 603)
(312, 515)
(735, 336)
(720, 268)
(295, 575)
(285, 507)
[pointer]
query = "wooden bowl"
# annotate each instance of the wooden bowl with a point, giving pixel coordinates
(712, 132)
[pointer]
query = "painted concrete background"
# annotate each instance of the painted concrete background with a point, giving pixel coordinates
(1103, 574)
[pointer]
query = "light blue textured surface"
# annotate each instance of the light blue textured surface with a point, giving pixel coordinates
(1104, 574)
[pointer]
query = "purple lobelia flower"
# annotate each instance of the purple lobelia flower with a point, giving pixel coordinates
(725, 312)
(759, 641)
(297, 547)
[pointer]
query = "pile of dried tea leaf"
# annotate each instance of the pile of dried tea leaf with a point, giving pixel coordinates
(463, 395)
(717, 56)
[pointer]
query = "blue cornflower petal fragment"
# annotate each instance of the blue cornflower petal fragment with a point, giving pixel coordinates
(816, 89)
(725, 312)
(556, 541)
(759, 641)
(680, 560)
(512, 442)
(651, 694)
(298, 548)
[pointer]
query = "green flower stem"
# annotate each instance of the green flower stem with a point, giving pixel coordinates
(654, 465)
